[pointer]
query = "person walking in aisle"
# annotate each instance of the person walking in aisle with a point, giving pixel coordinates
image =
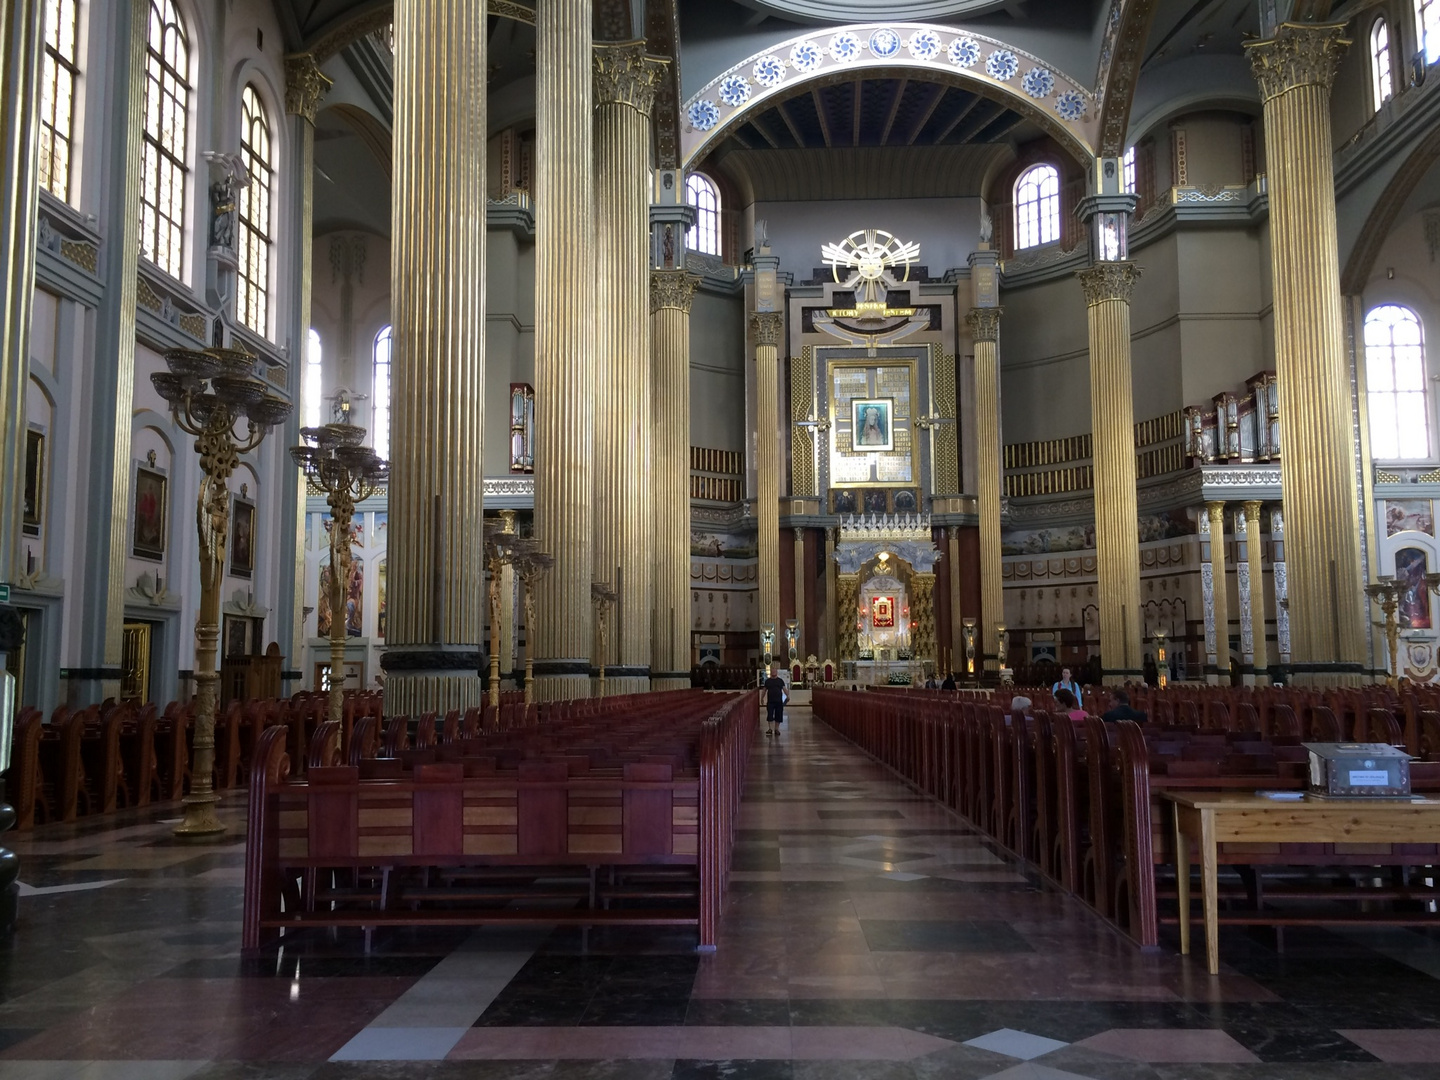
(1067, 683)
(775, 698)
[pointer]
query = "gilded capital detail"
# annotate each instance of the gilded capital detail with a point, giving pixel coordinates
(626, 75)
(305, 85)
(984, 323)
(1109, 281)
(672, 289)
(767, 327)
(1298, 55)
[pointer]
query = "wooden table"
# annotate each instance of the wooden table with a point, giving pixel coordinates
(1212, 818)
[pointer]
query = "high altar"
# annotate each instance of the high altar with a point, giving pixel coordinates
(875, 450)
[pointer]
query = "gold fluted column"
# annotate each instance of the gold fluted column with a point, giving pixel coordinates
(20, 52)
(1220, 590)
(1253, 553)
(984, 326)
(957, 623)
(829, 645)
(436, 612)
(767, 328)
(624, 533)
(1295, 70)
(922, 617)
(1107, 288)
(671, 293)
(564, 349)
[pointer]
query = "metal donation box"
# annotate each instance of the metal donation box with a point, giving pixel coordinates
(1358, 770)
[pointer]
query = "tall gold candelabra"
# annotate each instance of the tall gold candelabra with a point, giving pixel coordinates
(500, 554)
(531, 564)
(603, 597)
(334, 461)
(1386, 592)
(209, 392)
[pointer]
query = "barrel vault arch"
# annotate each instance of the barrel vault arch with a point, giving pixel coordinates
(1062, 106)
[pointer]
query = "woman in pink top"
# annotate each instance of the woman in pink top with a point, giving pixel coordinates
(1066, 700)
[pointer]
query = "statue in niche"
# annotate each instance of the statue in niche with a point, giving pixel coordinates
(223, 208)
(987, 225)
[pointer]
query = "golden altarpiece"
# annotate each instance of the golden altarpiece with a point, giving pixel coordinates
(876, 422)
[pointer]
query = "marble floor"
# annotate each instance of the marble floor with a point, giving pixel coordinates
(869, 934)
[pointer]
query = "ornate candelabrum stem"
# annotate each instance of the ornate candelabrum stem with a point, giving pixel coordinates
(603, 597)
(334, 461)
(209, 392)
(1386, 592)
(1162, 664)
(531, 564)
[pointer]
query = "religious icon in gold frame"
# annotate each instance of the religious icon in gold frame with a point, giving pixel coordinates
(872, 424)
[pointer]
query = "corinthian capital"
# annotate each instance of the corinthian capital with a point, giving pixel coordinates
(1109, 281)
(984, 323)
(625, 75)
(767, 327)
(305, 85)
(1297, 55)
(672, 289)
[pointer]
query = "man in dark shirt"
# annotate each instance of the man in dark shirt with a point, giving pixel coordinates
(775, 698)
(1121, 710)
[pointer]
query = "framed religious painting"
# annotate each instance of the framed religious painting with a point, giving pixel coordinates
(871, 422)
(148, 539)
(34, 482)
(242, 537)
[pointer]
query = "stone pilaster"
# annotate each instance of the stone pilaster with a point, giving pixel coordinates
(1295, 70)
(984, 326)
(1216, 512)
(671, 293)
(801, 579)
(624, 534)
(99, 613)
(848, 586)
(1108, 287)
(565, 382)
(436, 603)
(1254, 555)
(305, 87)
(767, 329)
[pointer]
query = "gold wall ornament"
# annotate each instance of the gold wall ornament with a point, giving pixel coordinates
(802, 438)
(305, 85)
(984, 323)
(922, 617)
(1221, 591)
(626, 75)
(1298, 55)
(1254, 555)
(848, 615)
(1109, 281)
(672, 289)
(1386, 592)
(767, 328)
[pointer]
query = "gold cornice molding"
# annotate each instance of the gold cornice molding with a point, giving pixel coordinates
(1109, 281)
(984, 323)
(767, 327)
(1298, 55)
(305, 85)
(672, 289)
(625, 74)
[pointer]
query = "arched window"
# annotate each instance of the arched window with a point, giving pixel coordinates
(252, 301)
(59, 77)
(380, 401)
(1380, 62)
(702, 194)
(1395, 372)
(1037, 207)
(1427, 28)
(167, 139)
(312, 389)
(1129, 171)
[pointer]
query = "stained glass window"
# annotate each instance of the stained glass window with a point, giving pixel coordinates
(1380, 62)
(380, 413)
(59, 77)
(252, 301)
(1395, 373)
(1037, 207)
(167, 139)
(704, 235)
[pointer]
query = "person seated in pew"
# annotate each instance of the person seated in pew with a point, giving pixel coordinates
(1021, 704)
(1066, 700)
(1121, 709)
(949, 683)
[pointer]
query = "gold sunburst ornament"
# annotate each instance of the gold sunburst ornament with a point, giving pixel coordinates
(867, 258)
